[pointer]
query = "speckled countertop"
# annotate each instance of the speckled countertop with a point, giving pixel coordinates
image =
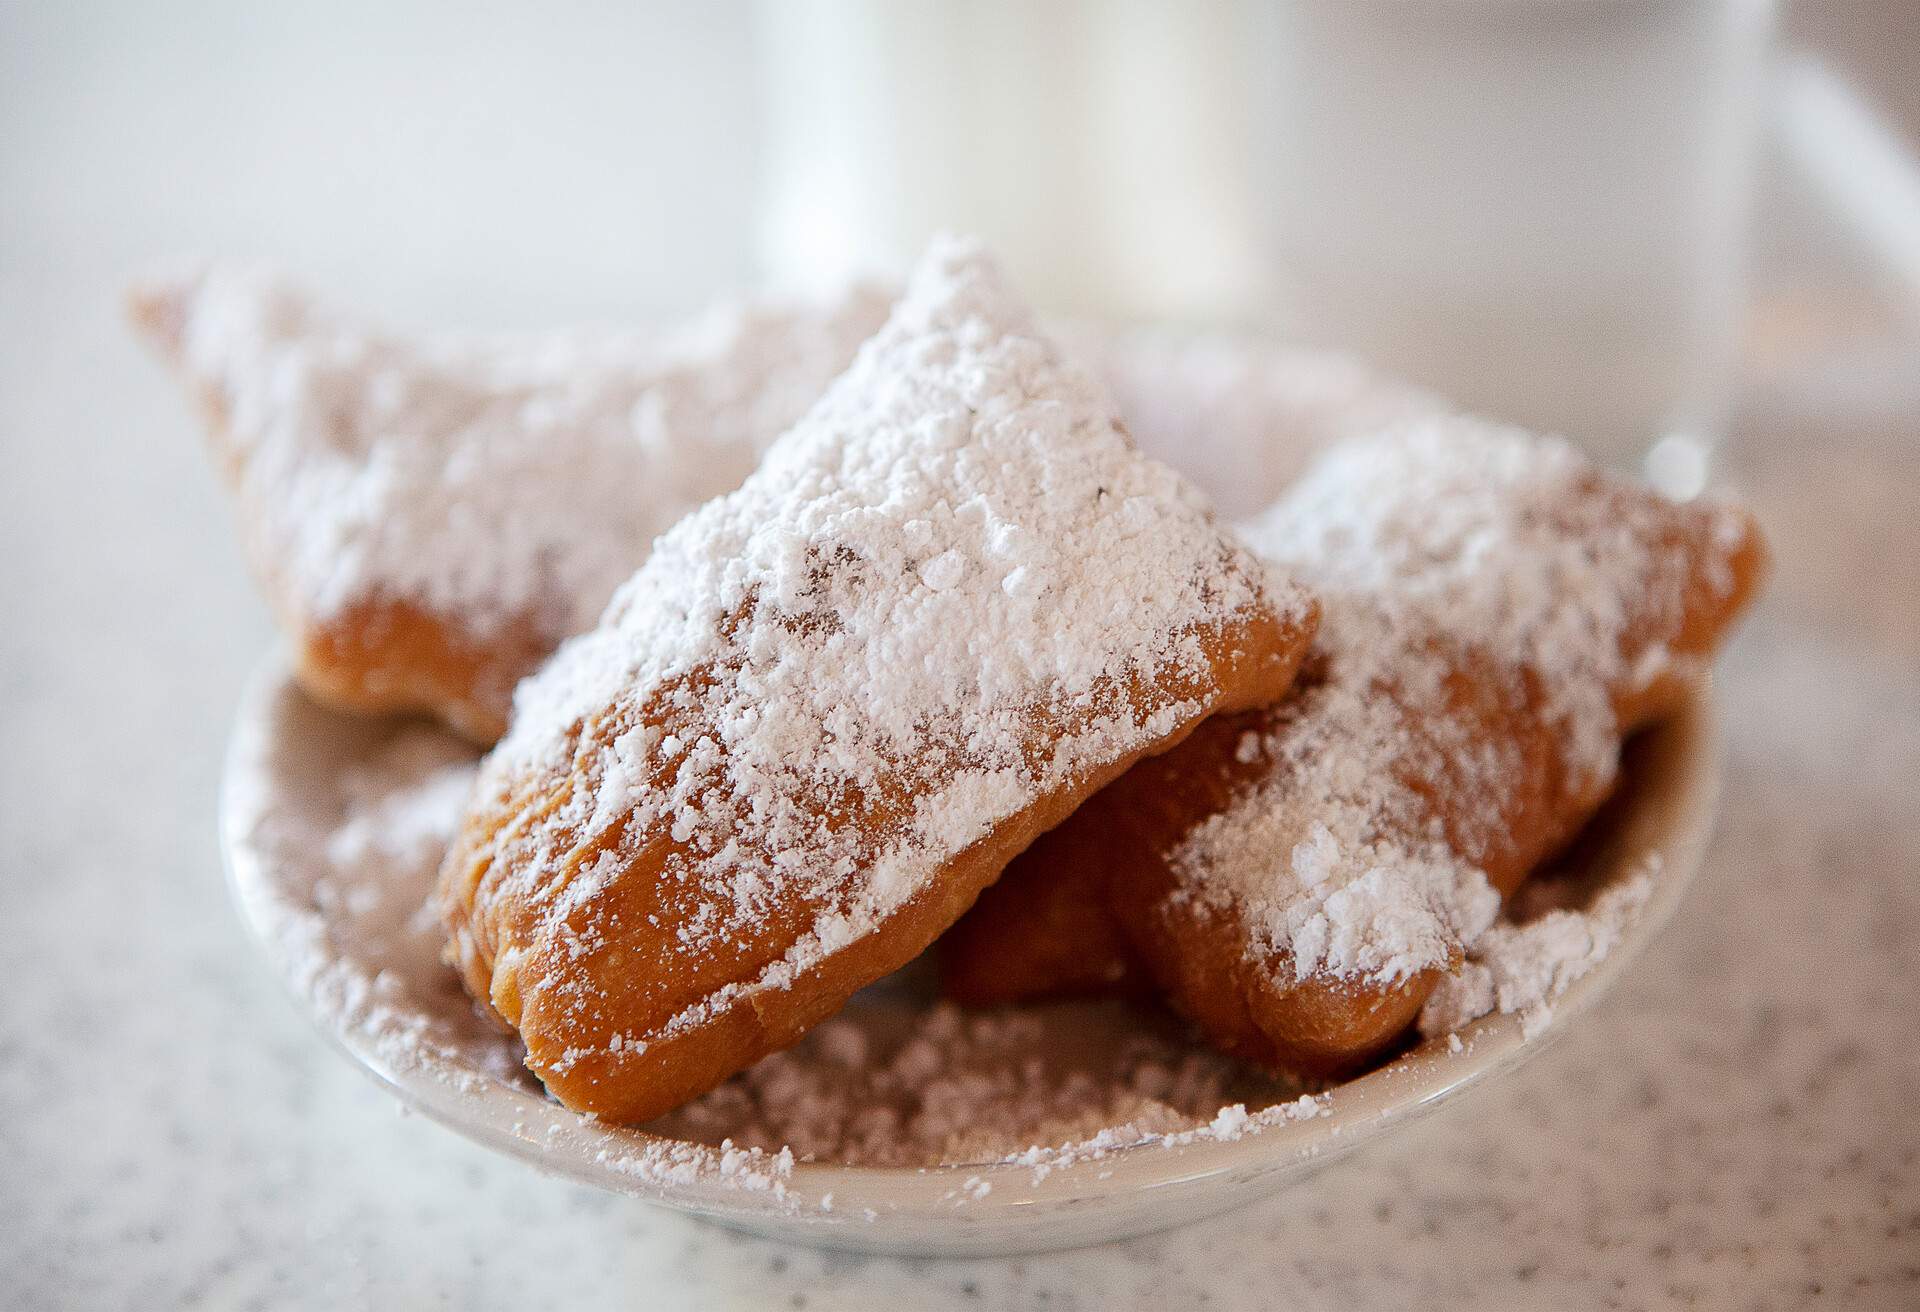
(1734, 1127)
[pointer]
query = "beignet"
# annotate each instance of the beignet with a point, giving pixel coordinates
(429, 518)
(953, 602)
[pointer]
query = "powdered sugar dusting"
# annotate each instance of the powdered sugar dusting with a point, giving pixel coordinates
(1470, 531)
(892, 1085)
(345, 909)
(1232, 1122)
(669, 1162)
(956, 546)
(1436, 538)
(1523, 969)
(487, 482)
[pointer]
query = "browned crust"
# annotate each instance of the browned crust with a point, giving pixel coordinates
(1049, 934)
(382, 657)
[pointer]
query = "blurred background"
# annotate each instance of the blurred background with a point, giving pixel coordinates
(1584, 216)
(1684, 231)
(1645, 223)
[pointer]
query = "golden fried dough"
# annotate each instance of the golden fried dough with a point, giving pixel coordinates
(430, 518)
(1498, 615)
(952, 603)
(1047, 929)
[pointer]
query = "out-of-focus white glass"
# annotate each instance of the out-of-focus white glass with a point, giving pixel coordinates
(1537, 207)
(1100, 144)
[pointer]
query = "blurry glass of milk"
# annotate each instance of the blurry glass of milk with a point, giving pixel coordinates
(1536, 207)
(1102, 146)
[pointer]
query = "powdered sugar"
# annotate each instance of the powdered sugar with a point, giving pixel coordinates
(890, 1084)
(1232, 1122)
(1464, 529)
(1438, 537)
(668, 1162)
(1313, 860)
(955, 545)
(486, 482)
(1523, 969)
(341, 896)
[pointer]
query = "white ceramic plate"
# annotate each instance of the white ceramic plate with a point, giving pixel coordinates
(370, 979)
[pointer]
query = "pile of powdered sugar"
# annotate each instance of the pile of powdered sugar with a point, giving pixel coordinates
(487, 482)
(1523, 969)
(955, 581)
(896, 1082)
(1437, 534)
(335, 853)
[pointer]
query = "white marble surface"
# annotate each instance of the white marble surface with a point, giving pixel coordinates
(1734, 1128)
